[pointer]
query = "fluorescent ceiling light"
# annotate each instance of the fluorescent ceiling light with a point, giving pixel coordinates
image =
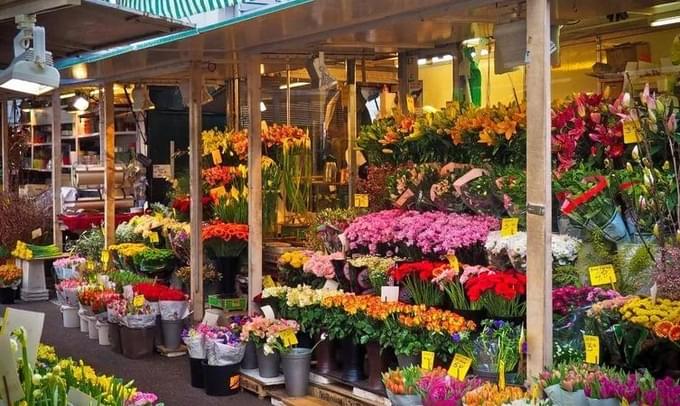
(471, 42)
(444, 58)
(67, 95)
(263, 107)
(294, 84)
(484, 52)
(81, 103)
(31, 70)
(422, 61)
(665, 21)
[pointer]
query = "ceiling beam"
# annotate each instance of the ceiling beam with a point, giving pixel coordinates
(14, 8)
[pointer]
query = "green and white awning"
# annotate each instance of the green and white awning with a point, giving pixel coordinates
(177, 9)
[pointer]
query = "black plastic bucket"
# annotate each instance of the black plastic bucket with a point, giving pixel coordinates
(221, 381)
(114, 337)
(196, 372)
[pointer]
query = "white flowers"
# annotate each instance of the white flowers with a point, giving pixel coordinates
(564, 248)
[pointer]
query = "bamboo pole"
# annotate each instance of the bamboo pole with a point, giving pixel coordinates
(4, 133)
(195, 189)
(539, 199)
(351, 130)
(56, 169)
(107, 131)
(254, 182)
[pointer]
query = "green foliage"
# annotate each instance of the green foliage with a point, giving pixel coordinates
(90, 244)
(566, 275)
(635, 269)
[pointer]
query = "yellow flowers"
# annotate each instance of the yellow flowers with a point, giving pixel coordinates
(46, 354)
(128, 249)
(647, 313)
(22, 251)
(294, 259)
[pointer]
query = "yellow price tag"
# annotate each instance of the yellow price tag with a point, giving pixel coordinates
(89, 265)
(501, 374)
(453, 262)
(460, 366)
(360, 200)
(602, 275)
(509, 226)
(592, 344)
(268, 282)
(138, 301)
(288, 338)
(218, 192)
(216, 156)
(153, 237)
(105, 257)
(427, 360)
(631, 135)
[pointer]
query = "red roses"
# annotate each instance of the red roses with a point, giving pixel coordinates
(423, 269)
(508, 284)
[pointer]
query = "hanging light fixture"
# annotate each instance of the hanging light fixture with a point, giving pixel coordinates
(31, 71)
(81, 103)
(140, 99)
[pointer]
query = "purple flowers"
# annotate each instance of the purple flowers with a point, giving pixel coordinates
(443, 390)
(667, 392)
(433, 233)
(569, 298)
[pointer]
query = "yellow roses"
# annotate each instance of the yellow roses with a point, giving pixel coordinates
(294, 259)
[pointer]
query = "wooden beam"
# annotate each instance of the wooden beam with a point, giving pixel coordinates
(195, 188)
(56, 169)
(254, 182)
(13, 9)
(539, 197)
(4, 134)
(107, 131)
(351, 129)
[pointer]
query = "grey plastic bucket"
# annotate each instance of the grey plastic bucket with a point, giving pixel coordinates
(268, 364)
(296, 364)
(172, 331)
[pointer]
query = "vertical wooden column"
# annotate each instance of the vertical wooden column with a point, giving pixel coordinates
(56, 169)
(107, 131)
(402, 75)
(195, 188)
(539, 200)
(4, 133)
(254, 182)
(351, 129)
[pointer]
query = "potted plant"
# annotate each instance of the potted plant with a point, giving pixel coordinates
(268, 336)
(194, 339)
(402, 385)
(10, 279)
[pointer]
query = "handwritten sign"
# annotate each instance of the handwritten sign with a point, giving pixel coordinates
(427, 360)
(360, 200)
(509, 226)
(460, 366)
(631, 135)
(216, 156)
(602, 275)
(592, 346)
(37, 233)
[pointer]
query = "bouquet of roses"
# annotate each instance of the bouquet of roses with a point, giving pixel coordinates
(225, 239)
(321, 266)
(268, 333)
(417, 278)
(501, 293)
(67, 292)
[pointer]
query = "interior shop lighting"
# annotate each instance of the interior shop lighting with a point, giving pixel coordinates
(294, 84)
(665, 21)
(32, 70)
(263, 107)
(422, 61)
(444, 58)
(472, 42)
(67, 95)
(140, 99)
(81, 103)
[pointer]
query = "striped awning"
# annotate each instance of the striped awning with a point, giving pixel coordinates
(177, 9)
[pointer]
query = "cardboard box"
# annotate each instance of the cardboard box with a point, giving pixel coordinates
(618, 56)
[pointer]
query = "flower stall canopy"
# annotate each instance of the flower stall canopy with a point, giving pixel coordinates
(177, 9)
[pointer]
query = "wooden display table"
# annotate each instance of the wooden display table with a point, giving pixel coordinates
(33, 286)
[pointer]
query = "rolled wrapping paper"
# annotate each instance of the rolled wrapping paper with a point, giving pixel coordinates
(97, 204)
(95, 177)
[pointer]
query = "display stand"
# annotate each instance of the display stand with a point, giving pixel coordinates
(33, 286)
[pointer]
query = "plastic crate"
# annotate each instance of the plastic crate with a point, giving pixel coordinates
(227, 303)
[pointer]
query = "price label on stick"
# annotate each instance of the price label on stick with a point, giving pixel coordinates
(501, 374)
(453, 262)
(268, 312)
(105, 257)
(427, 360)
(602, 275)
(138, 301)
(37, 233)
(153, 237)
(631, 135)
(460, 366)
(218, 192)
(592, 346)
(509, 226)
(360, 200)
(216, 156)
(289, 338)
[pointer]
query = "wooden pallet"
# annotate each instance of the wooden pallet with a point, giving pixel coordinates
(262, 387)
(280, 398)
(179, 352)
(339, 395)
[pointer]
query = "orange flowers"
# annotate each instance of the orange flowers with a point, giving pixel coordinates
(224, 231)
(280, 134)
(219, 175)
(667, 329)
(412, 316)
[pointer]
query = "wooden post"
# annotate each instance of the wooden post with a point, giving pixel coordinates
(351, 129)
(254, 182)
(195, 189)
(56, 169)
(402, 75)
(108, 132)
(539, 199)
(4, 133)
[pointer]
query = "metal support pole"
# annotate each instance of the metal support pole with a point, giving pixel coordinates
(539, 199)
(254, 182)
(237, 103)
(107, 130)
(402, 73)
(56, 169)
(4, 133)
(287, 94)
(351, 67)
(195, 188)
